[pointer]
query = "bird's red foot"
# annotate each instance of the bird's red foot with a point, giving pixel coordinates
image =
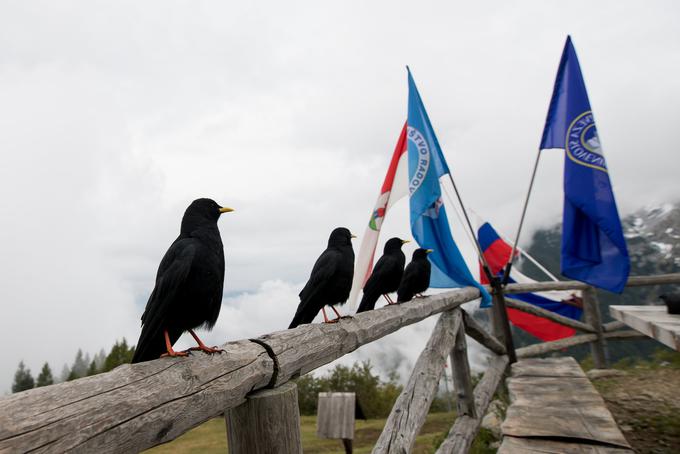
(202, 347)
(209, 350)
(335, 320)
(420, 295)
(172, 353)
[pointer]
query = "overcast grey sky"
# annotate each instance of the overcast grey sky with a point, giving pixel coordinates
(115, 115)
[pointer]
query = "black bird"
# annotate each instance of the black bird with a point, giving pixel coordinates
(386, 275)
(416, 277)
(672, 301)
(330, 281)
(189, 284)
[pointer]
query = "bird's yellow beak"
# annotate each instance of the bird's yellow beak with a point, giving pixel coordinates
(226, 210)
(429, 250)
(405, 241)
(351, 235)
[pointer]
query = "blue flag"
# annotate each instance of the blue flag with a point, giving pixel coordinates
(429, 224)
(593, 246)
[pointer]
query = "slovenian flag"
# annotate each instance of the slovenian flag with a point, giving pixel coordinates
(569, 304)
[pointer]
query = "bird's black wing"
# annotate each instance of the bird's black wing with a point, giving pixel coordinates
(375, 285)
(408, 281)
(322, 272)
(172, 273)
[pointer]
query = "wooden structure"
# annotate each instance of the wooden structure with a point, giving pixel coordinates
(268, 422)
(135, 407)
(555, 409)
(652, 321)
(335, 415)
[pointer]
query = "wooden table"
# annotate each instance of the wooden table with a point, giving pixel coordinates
(555, 409)
(653, 321)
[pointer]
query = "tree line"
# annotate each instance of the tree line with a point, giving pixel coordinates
(83, 366)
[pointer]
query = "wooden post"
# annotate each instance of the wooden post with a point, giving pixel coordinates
(335, 417)
(461, 375)
(409, 411)
(268, 422)
(465, 429)
(502, 316)
(591, 309)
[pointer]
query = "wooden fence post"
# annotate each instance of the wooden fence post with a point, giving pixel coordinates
(462, 380)
(591, 310)
(267, 422)
(501, 316)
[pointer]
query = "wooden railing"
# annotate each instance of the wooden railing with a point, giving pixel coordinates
(138, 406)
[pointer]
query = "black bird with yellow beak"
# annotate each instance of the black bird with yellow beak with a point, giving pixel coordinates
(189, 284)
(386, 275)
(416, 277)
(330, 281)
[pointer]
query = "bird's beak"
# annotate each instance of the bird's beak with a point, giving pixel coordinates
(429, 250)
(226, 209)
(405, 241)
(351, 235)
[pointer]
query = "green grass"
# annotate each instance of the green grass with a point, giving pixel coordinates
(211, 437)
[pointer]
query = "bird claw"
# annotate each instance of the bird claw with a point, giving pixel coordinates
(335, 320)
(172, 354)
(209, 350)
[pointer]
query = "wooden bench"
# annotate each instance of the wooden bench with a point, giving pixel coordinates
(555, 409)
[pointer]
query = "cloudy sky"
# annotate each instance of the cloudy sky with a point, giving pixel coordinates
(114, 116)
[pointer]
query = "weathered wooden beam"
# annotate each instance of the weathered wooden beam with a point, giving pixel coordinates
(410, 410)
(633, 281)
(307, 347)
(475, 331)
(613, 326)
(540, 312)
(591, 312)
(547, 347)
(267, 422)
(462, 379)
(135, 407)
(465, 429)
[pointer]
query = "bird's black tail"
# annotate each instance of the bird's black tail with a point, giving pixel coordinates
(304, 314)
(151, 344)
(368, 301)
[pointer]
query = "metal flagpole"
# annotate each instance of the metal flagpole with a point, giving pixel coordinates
(506, 275)
(485, 264)
(496, 288)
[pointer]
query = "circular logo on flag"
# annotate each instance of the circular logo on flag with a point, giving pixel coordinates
(423, 151)
(582, 143)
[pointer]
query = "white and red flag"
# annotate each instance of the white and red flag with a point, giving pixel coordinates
(395, 187)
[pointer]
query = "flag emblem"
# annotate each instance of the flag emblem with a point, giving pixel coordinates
(583, 144)
(423, 152)
(376, 219)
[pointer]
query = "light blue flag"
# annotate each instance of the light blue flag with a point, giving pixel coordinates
(429, 224)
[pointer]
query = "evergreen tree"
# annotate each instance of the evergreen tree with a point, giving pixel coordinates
(23, 379)
(100, 359)
(92, 370)
(80, 365)
(120, 354)
(65, 373)
(45, 378)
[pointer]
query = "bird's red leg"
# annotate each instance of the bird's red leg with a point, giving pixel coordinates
(325, 317)
(201, 346)
(168, 346)
(389, 300)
